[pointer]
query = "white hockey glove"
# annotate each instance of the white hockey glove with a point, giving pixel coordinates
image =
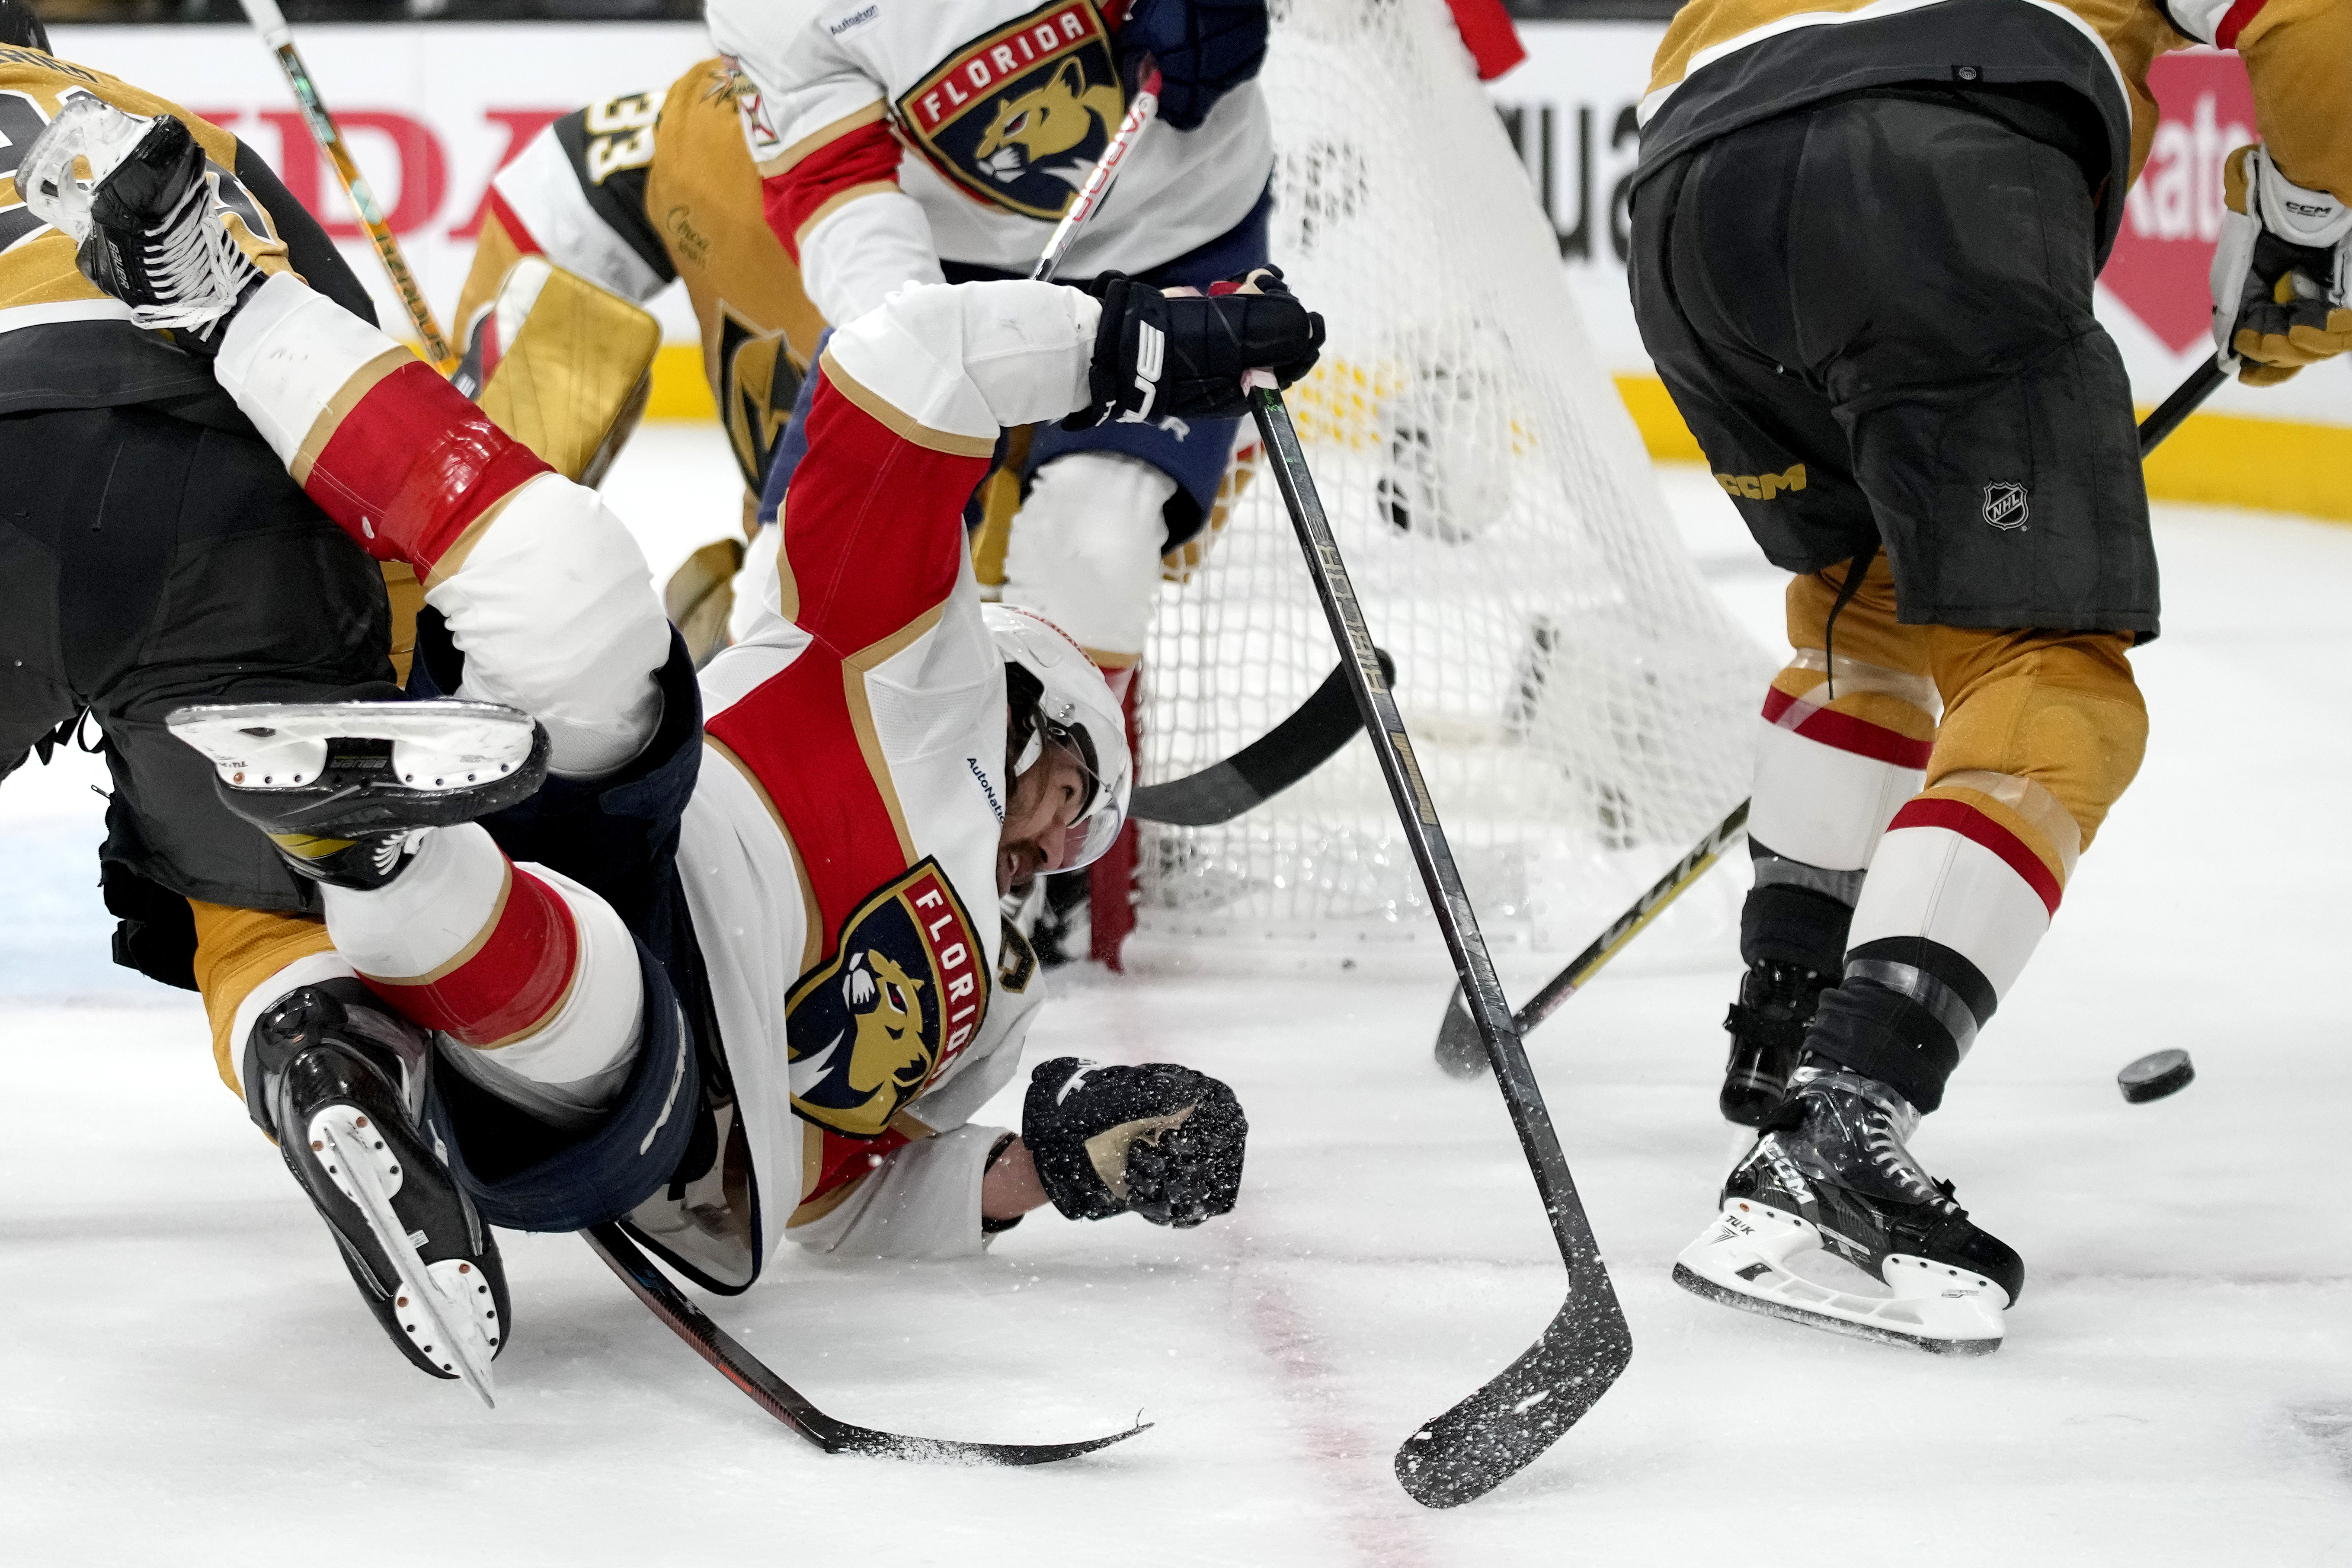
(2282, 274)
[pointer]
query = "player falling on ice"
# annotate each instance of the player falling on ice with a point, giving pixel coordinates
(753, 988)
(901, 144)
(1863, 249)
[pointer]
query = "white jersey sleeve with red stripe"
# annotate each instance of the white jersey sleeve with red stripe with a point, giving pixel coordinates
(839, 856)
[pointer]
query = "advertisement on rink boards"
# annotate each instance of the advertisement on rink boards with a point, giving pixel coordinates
(432, 112)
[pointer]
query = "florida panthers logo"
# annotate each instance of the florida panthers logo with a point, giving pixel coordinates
(902, 996)
(1017, 118)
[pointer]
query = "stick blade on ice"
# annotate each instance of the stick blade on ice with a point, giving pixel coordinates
(1500, 1429)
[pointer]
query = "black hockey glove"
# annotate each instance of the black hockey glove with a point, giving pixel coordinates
(1160, 1141)
(1204, 49)
(1158, 355)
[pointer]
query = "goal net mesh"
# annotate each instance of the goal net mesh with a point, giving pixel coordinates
(1578, 702)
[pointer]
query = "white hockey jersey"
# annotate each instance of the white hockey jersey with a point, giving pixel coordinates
(891, 136)
(839, 853)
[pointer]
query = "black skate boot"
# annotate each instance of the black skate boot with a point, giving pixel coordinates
(343, 788)
(145, 228)
(1830, 1171)
(339, 1080)
(1767, 1026)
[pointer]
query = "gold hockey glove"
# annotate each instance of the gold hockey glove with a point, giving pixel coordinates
(2281, 272)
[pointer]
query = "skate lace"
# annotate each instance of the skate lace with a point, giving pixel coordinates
(193, 266)
(1894, 1161)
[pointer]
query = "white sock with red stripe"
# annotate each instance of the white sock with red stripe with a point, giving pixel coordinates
(1962, 889)
(532, 972)
(1827, 782)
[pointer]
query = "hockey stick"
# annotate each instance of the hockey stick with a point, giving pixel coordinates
(1310, 737)
(2202, 384)
(270, 23)
(1457, 1050)
(781, 1400)
(1491, 1435)
(1098, 178)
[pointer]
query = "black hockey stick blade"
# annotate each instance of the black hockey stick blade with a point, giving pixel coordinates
(1310, 737)
(782, 1400)
(1494, 1432)
(1500, 1429)
(1459, 1051)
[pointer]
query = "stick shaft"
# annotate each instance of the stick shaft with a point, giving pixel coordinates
(2202, 384)
(1634, 920)
(271, 22)
(1418, 814)
(1090, 194)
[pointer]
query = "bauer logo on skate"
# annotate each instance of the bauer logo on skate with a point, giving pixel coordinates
(1019, 116)
(903, 994)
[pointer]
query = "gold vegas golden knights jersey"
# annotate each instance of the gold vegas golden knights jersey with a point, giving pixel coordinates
(642, 189)
(1729, 63)
(65, 345)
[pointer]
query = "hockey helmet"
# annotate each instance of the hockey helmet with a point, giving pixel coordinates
(1075, 711)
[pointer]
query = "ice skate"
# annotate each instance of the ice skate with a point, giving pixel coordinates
(343, 787)
(144, 224)
(1831, 1182)
(1767, 1026)
(339, 1082)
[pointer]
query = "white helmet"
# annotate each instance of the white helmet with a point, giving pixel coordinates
(1077, 710)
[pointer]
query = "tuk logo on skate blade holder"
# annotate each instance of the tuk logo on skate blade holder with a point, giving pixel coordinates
(901, 997)
(2007, 504)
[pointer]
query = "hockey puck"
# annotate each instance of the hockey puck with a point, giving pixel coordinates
(2156, 1075)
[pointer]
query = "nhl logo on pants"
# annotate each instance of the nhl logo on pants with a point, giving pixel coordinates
(2005, 504)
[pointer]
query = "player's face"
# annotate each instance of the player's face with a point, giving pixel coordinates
(1046, 800)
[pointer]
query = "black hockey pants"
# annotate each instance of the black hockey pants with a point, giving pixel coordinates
(146, 563)
(1875, 312)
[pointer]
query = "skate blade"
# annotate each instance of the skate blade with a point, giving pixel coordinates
(85, 128)
(442, 744)
(455, 1333)
(1743, 1262)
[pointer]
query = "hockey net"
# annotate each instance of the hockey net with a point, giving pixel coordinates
(1577, 700)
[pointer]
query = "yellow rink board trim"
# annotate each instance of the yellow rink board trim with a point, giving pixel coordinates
(2220, 459)
(680, 389)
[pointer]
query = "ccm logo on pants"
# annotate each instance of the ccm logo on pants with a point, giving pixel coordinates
(1762, 487)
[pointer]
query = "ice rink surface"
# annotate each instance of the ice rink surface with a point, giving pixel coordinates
(191, 1379)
